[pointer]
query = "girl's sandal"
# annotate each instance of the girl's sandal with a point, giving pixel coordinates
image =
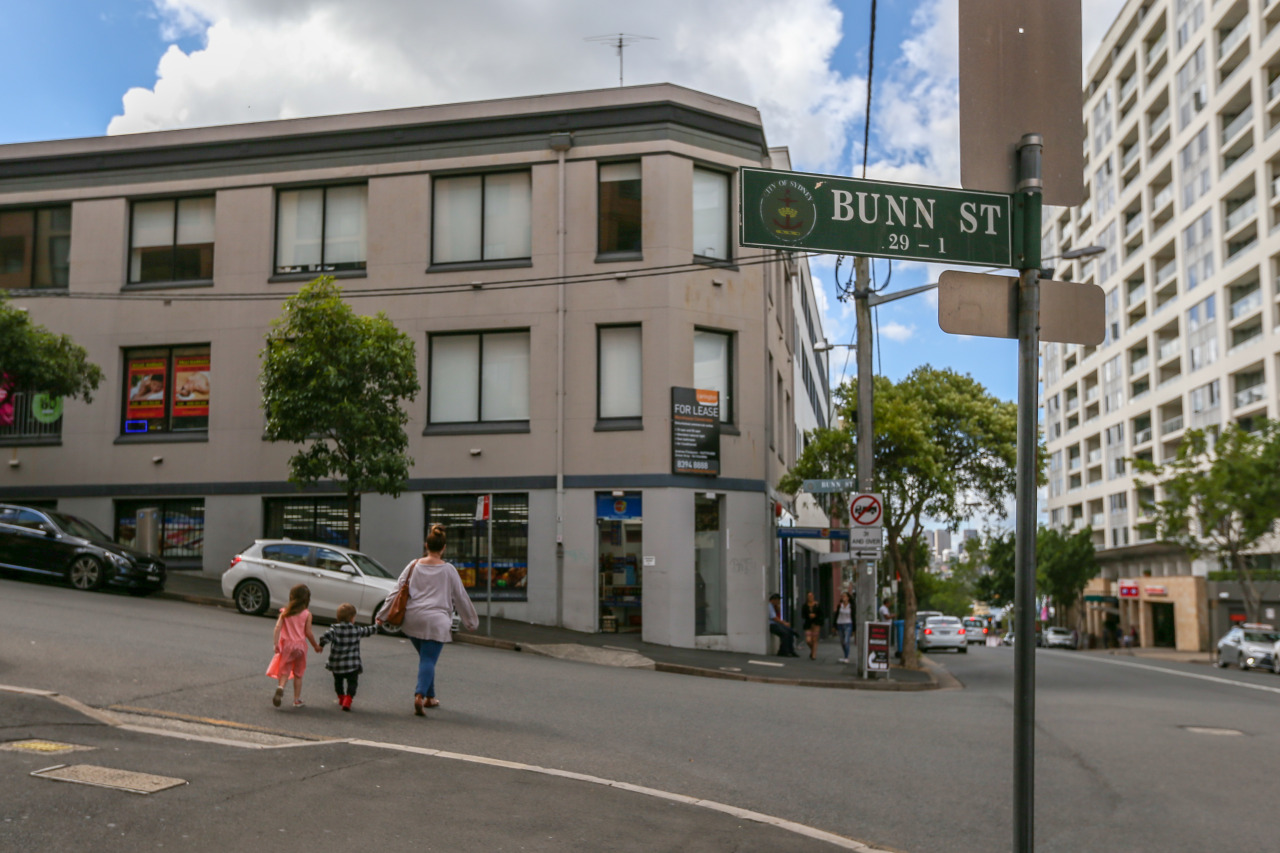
(297, 703)
(275, 700)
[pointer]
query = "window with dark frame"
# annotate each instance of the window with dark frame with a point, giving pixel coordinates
(467, 542)
(309, 519)
(35, 248)
(619, 373)
(478, 377)
(713, 367)
(171, 239)
(321, 229)
(480, 218)
(181, 526)
(619, 203)
(166, 390)
(710, 214)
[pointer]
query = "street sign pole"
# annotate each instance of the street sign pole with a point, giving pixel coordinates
(865, 582)
(488, 581)
(1028, 197)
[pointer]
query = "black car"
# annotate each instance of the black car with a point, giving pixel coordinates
(52, 543)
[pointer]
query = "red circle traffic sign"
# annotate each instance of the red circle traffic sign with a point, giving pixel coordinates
(865, 510)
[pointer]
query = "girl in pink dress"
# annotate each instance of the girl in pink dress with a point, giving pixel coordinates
(293, 632)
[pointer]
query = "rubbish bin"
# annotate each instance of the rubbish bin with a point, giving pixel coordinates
(897, 637)
(147, 535)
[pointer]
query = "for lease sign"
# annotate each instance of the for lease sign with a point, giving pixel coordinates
(695, 432)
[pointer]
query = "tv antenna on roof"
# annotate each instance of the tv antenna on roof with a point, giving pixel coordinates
(620, 41)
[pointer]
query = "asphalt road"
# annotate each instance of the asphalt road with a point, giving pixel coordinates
(1118, 769)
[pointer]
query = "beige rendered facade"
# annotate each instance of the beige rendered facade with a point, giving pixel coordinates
(560, 262)
(1182, 185)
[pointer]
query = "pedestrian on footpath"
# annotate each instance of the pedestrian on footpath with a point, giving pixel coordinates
(843, 620)
(780, 628)
(291, 635)
(344, 656)
(812, 615)
(435, 591)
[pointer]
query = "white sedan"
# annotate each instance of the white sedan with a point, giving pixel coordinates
(943, 632)
(261, 576)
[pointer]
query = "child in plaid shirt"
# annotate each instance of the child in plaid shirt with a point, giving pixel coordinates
(344, 657)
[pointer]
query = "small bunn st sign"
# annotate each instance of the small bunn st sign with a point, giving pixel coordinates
(827, 487)
(828, 213)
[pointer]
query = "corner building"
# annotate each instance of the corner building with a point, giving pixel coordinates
(560, 262)
(1182, 186)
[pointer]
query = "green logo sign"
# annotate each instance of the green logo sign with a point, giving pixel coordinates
(787, 210)
(45, 408)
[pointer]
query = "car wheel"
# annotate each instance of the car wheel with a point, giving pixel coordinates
(392, 630)
(964, 650)
(252, 598)
(86, 573)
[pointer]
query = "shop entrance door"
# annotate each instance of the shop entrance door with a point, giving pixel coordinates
(1163, 633)
(619, 549)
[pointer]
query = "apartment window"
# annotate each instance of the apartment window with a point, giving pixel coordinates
(1109, 261)
(321, 229)
(179, 527)
(166, 389)
(1119, 502)
(1188, 17)
(619, 223)
(29, 418)
(309, 519)
(1197, 249)
(1115, 435)
(1206, 396)
(469, 542)
(1102, 123)
(1194, 171)
(478, 377)
(713, 367)
(171, 240)
(710, 214)
(1104, 187)
(619, 373)
(1202, 313)
(1193, 91)
(35, 248)
(477, 218)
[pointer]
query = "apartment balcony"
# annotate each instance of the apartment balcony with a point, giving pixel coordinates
(1156, 51)
(1169, 349)
(1166, 272)
(1073, 464)
(1097, 520)
(1142, 436)
(1095, 457)
(1246, 305)
(1129, 156)
(1136, 295)
(1127, 88)
(1091, 393)
(1170, 425)
(1237, 124)
(1160, 199)
(1133, 225)
(1158, 123)
(1242, 214)
(1273, 90)
(1249, 396)
(1233, 39)
(1073, 403)
(1140, 365)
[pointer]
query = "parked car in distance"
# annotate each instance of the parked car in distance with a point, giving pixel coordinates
(45, 542)
(1058, 638)
(260, 577)
(975, 630)
(943, 632)
(1250, 645)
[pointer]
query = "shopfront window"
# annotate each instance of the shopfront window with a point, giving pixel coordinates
(177, 527)
(166, 390)
(620, 537)
(468, 542)
(309, 519)
(708, 565)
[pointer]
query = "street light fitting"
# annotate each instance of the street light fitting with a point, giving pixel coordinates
(1082, 252)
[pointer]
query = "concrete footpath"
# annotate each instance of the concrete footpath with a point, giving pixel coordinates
(628, 650)
(77, 778)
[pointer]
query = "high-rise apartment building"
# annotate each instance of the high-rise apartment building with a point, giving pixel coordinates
(1182, 186)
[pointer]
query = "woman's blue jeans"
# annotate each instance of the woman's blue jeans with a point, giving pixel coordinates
(428, 654)
(846, 632)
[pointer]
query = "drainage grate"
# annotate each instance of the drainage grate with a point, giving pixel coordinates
(1210, 730)
(42, 746)
(109, 777)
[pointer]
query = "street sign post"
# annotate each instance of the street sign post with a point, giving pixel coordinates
(828, 213)
(484, 512)
(971, 303)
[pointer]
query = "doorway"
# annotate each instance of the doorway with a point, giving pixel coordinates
(1163, 632)
(619, 546)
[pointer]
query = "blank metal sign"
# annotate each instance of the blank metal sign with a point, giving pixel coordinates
(1020, 73)
(971, 303)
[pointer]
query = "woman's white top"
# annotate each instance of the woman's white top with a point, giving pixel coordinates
(435, 591)
(845, 615)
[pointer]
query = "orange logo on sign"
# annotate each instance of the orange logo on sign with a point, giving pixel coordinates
(708, 397)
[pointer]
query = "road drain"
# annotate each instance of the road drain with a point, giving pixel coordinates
(109, 777)
(42, 746)
(1210, 730)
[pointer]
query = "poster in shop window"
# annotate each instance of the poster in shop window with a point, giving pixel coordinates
(191, 381)
(695, 432)
(148, 377)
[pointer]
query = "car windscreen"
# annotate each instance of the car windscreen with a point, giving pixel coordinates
(78, 527)
(1261, 636)
(370, 566)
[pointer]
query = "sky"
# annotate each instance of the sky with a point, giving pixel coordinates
(125, 66)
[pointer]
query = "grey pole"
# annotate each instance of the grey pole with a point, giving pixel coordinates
(488, 581)
(1028, 198)
(865, 582)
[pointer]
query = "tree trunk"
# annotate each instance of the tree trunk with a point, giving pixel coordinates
(1248, 590)
(909, 656)
(353, 535)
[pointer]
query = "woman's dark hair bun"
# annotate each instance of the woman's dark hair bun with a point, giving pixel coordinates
(435, 538)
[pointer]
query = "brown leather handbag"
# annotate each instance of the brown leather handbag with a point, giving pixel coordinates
(395, 615)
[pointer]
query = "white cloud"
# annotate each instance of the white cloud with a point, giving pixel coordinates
(292, 58)
(895, 331)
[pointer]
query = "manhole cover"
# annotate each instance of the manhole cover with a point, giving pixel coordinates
(42, 746)
(1210, 730)
(109, 777)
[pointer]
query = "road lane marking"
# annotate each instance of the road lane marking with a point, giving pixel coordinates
(765, 663)
(1214, 678)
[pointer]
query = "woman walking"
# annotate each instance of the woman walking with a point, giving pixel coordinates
(812, 614)
(844, 623)
(435, 591)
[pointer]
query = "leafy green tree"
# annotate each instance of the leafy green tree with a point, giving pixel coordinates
(943, 448)
(34, 359)
(334, 381)
(995, 585)
(1065, 563)
(1220, 497)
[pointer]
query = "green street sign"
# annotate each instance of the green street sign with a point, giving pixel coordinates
(827, 213)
